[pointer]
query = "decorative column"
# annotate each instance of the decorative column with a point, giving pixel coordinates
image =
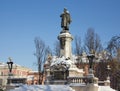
(65, 39)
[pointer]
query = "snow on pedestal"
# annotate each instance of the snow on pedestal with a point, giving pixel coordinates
(67, 64)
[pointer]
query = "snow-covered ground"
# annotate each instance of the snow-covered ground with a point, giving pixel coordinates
(54, 88)
(43, 88)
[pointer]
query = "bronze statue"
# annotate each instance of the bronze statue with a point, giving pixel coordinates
(66, 19)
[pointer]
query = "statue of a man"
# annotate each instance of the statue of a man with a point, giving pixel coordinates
(65, 19)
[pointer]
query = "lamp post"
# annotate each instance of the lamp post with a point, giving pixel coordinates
(90, 57)
(10, 64)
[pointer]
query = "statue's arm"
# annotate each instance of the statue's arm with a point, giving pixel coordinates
(61, 15)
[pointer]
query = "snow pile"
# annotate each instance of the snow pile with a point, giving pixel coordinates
(43, 88)
(56, 88)
(61, 62)
(64, 64)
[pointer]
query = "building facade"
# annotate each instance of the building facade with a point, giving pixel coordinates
(18, 73)
(33, 77)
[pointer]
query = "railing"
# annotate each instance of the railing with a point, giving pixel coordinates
(77, 80)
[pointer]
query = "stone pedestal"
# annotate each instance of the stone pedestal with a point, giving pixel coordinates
(91, 78)
(48, 77)
(90, 73)
(91, 87)
(95, 79)
(107, 82)
(65, 39)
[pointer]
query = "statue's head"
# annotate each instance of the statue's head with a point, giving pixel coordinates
(65, 9)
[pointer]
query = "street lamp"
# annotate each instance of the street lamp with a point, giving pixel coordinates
(10, 64)
(90, 58)
(90, 75)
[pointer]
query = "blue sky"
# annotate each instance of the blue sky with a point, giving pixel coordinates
(23, 20)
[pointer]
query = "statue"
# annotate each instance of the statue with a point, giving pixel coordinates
(65, 19)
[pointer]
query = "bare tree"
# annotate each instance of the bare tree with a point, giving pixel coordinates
(101, 70)
(78, 48)
(41, 53)
(114, 47)
(115, 74)
(92, 41)
(57, 48)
